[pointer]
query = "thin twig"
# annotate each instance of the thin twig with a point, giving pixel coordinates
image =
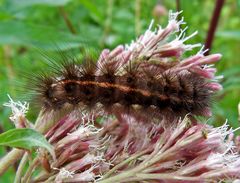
(213, 25)
(67, 20)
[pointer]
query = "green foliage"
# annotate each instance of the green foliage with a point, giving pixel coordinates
(31, 35)
(26, 3)
(43, 24)
(25, 138)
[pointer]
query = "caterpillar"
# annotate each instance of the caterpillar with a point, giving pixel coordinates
(148, 74)
(78, 84)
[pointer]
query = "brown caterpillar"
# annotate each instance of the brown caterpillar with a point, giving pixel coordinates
(149, 75)
(78, 84)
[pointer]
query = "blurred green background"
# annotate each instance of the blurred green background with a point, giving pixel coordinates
(29, 24)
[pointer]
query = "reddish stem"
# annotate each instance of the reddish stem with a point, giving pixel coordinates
(178, 7)
(213, 25)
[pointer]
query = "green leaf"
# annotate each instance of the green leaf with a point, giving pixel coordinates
(25, 138)
(25, 34)
(235, 35)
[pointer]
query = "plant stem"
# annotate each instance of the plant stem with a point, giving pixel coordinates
(213, 25)
(10, 159)
(165, 176)
(123, 163)
(239, 112)
(42, 177)
(20, 168)
(43, 123)
(132, 173)
(137, 17)
(107, 23)
(67, 20)
(30, 169)
(178, 7)
(7, 56)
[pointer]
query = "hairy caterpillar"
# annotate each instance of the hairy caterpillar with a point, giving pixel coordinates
(78, 84)
(148, 73)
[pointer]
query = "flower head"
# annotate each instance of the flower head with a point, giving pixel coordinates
(138, 151)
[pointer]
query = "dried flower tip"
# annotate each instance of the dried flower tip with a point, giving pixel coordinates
(19, 110)
(63, 174)
(86, 176)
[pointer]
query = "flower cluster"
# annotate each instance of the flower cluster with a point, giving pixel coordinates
(127, 150)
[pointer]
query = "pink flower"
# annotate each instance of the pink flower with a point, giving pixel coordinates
(131, 150)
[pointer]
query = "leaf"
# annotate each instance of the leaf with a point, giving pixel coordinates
(25, 138)
(235, 35)
(21, 33)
